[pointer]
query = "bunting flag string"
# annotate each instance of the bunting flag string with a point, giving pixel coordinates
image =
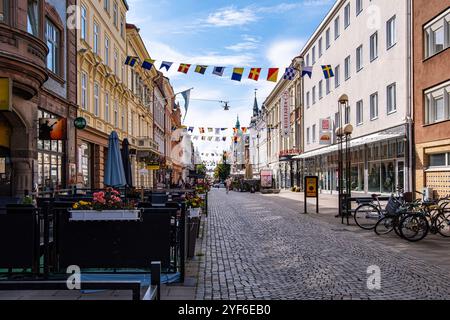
(255, 73)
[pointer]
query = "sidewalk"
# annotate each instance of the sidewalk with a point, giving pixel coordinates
(434, 248)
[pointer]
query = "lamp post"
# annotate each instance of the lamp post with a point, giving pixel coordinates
(344, 133)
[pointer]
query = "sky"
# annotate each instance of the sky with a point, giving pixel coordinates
(244, 33)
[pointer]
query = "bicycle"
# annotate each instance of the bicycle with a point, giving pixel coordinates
(395, 210)
(367, 214)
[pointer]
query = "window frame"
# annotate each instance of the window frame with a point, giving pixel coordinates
(359, 7)
(107, 43)
(347, 15)
(328, 38)
(374, 46)
(391, 39)
(337, 28)
(373, 107)
(441, 21)
(96, 97)
(96, 38)
(84, 91)
(388, 98)
(337, 76)
(107, 109)
(347, 68)
(441, 91)
(359, 58)
(57, 42)
(83, 22)
(360, 112)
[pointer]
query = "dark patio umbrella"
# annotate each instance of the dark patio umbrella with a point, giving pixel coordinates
(126, 162)
(114, 173)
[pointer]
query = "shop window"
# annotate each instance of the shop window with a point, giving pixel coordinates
(374, 177)
(388, 177)
(437, 35)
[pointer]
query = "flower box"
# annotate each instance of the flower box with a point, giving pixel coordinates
(194, 212)
(104, 215)
(202, 196)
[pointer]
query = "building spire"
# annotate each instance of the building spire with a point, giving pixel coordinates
(238, 124)
(255, 106)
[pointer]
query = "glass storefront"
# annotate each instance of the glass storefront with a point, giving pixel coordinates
(84, 164)
(50, 161)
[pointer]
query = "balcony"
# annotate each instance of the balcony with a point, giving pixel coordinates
(23, 59)
(146, 144)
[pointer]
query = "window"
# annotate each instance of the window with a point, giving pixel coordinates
(327, 85)
(347, 68)
(437, 34)
(440, 160)
(116, 114)
(374, 106)
(308, 102)
(374, 46)
(4, 11)
(359, 113)
(308, 136)
(337, 31)
(327, 38)
(116, 63)
(390, 33)
(96, 38)
(122, 26)
(107, 51)
(307, 60)
(123, 119)
(53, 38)
(347, 115)
(320, 89)
(337, 76)
(314, 95)
(359, 6)
(96, 99)
(314, 55)
(33, 17)
(391, 98)
(84, 99)
(115, 15)
(106, 5)
(437, 101)
(107, 111)
(314, 133)
(320, 47)
(347, 15)
(359, 58)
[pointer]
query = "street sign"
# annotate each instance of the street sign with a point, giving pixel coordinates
(311, 191)
(80, 123)
(285, 114)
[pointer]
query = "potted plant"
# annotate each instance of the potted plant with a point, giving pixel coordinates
(194, 203)
(106, 205)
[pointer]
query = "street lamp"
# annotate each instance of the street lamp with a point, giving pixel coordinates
(344, 133)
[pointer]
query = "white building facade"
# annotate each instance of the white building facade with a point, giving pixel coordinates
(367, 44)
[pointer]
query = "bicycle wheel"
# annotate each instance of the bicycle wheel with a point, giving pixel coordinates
(366, 216)
(414, 227)
(442, 223)
(385, 225)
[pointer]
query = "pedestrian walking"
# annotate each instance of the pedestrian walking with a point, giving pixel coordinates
(228, 184)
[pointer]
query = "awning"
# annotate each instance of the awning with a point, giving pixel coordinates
(393, 133)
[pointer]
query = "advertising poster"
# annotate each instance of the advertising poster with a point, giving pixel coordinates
(266, 178)
(52, 129)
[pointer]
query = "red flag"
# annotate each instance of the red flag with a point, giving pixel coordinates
(184, 68)
(254, 73)
(272, 75)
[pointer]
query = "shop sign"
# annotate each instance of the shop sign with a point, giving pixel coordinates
(80, 123)
(5, 94)
(285, 114)
(311, 186)
(52, 129)
(266, 177)
(325, 138)
(153, 166)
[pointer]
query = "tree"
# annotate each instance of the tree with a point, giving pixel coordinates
(222, 171)
(201, 169)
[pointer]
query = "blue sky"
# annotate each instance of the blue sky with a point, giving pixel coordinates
(224, 33)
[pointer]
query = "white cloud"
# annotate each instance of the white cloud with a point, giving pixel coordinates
(281, 52)
(247, 43)
(231, 16)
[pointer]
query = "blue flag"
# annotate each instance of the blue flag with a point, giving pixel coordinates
(307, 71)
(166, 65)
(218, 71)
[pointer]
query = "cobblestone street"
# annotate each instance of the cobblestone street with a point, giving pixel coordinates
(257, 247)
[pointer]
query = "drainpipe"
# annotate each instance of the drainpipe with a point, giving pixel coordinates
(409, 89)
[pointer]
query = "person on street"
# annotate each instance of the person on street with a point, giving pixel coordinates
(228, 184)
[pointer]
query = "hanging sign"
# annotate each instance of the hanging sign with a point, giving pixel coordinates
(80, 123)
(285, 114)
(153, 166)
(5, 94)
(325, 138)
(325, 125)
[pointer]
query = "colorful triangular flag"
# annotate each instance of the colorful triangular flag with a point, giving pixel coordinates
(307, 71)
(224, 138)
(272, 74)
(166, 65)
(210, 138)
(184, 67)
(244, 129)
(237, 74)
(254, 73)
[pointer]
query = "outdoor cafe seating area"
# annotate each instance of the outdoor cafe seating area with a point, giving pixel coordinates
(121, 238)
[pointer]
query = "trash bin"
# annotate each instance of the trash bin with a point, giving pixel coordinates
(193, 228)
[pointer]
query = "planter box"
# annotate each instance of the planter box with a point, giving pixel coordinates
(194, 212)
(104, 215)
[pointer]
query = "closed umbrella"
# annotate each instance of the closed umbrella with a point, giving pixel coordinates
(114, 173)
(126, 162)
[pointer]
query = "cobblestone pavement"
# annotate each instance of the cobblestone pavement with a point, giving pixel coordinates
(258, 248)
